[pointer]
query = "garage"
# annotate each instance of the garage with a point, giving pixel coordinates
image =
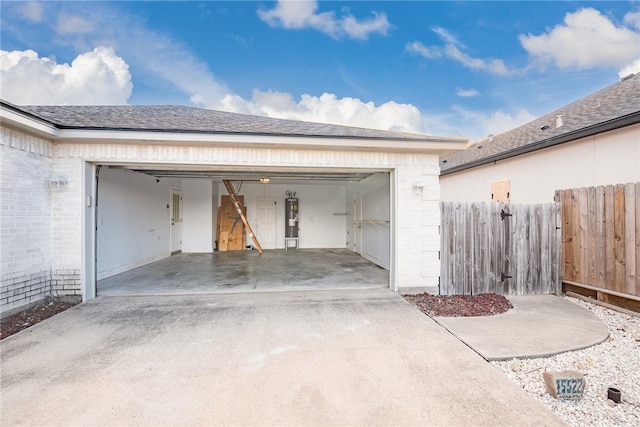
(172, 231)
(137, 192)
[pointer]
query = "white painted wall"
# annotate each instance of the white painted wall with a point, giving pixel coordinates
(605, 159)
(133, 220)
(319, 227)
(197, 213)
(375, 207)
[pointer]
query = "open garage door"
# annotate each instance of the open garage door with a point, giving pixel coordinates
(136, 214)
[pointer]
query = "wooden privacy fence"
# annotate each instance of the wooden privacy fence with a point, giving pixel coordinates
(504, 249)
(601, 238)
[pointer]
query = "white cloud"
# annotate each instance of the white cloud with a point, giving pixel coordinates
(73, 24)
(157, 57)
(32, 11)
(298, 15)
(479, 124)
(494, 66)
(328, 108)
(96, 77)
(161, 56)
(466, 93)
(429, 52)
(452, 49)
(446, 36)
(632, 19)
(632, 68)
(360, 30)
(586, 39)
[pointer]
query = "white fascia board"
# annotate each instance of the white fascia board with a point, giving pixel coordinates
(28, 124)
(435, 145)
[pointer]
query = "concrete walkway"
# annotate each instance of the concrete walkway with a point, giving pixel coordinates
(350, 357)
(537, 326)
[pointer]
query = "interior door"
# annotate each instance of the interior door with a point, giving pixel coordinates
(266, 222)
(176, 221)
(357, 223)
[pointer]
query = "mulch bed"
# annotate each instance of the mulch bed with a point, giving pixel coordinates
(460, 305)
(30, 317)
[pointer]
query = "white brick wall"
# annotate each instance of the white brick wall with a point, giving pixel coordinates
(25, 220)
(418, 225)
(66, 282)
(66, 221)
(41, 230)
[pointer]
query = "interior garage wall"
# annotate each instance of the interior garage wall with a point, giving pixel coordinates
(319, 227)
(197, 212)
(376, 211)
(132, 220)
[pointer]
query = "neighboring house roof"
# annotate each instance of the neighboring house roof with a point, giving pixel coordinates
(611, 108)
(172, 118)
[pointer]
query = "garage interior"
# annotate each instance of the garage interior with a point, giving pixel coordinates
(171, 229)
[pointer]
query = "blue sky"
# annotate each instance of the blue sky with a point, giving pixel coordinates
(444, 68)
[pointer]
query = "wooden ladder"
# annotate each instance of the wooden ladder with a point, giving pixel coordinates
(236, 204)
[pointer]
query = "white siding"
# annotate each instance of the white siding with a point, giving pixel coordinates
(603, 159)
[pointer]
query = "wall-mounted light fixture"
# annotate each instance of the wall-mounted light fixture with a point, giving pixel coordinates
(58, 182)
(419, 187)
(265, 180)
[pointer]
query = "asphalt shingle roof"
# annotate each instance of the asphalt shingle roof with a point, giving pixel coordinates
(620, 100)
(174, 118)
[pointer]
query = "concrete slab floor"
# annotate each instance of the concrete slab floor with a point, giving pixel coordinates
(242, 271)
(348, 357)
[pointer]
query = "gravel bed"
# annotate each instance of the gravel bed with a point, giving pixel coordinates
(613, 363)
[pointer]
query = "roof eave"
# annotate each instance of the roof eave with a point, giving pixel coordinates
(435, 145)
(613, 124)
(15, 117)
(18, 118)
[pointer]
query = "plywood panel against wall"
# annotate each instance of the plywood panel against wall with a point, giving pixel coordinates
(230, 225)
(501, 191)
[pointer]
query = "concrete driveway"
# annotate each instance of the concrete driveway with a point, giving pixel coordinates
(358, 357)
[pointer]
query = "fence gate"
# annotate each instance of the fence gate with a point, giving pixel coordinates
(499, 248)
